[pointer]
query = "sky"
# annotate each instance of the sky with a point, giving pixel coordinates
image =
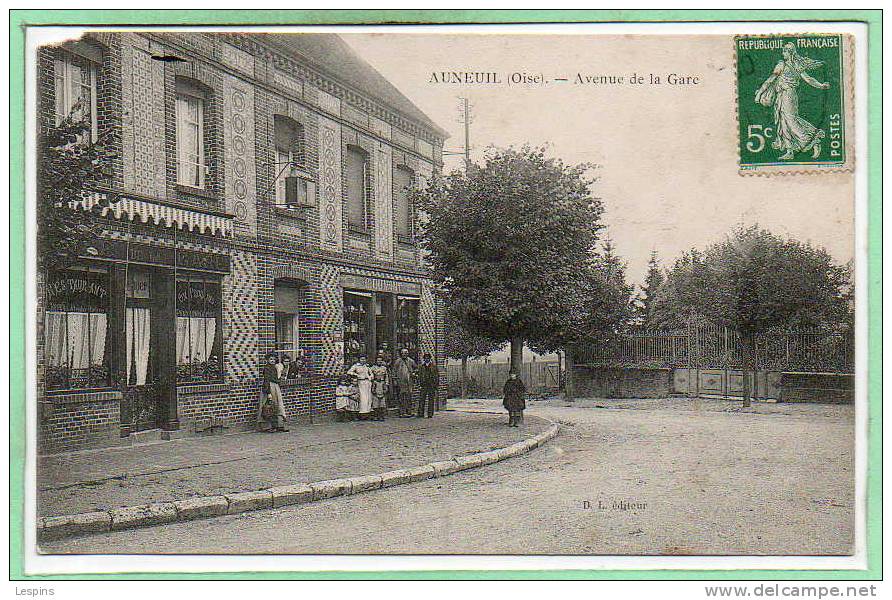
(667, 153)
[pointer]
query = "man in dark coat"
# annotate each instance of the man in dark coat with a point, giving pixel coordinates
(402, 371)
(429, 381)
(515, 399)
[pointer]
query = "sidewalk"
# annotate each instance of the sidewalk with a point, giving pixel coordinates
(175, 470)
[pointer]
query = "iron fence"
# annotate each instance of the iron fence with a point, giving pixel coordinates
(712, 346)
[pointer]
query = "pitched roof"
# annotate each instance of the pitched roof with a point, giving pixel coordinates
(328, 53)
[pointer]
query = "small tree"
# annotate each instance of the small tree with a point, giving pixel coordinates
(644, 304)
(752, 282)
(69, 168)
(463, 345)
(506, 241)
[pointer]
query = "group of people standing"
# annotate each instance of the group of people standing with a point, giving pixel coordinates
(363, 391)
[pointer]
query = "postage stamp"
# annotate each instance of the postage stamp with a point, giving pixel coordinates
(794, 103)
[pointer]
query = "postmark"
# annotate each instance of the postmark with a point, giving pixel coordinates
(794, 103)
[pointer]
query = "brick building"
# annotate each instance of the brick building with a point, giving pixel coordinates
(263, 206)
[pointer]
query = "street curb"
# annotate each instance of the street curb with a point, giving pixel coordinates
(200, 507)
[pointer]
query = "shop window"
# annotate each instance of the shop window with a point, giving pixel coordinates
(357, 189)
(76, 329)
(75, 91)
(407, 325)
(402, 181)
(199, 344)
(190, 124)
(288, 302)
(358, 312)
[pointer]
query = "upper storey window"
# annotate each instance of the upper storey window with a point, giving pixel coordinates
(192, 167)
(75, 90)
(289, 160)
(357, 188)
(403, 179)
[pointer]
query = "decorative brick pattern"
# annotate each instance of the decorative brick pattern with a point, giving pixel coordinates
(295, 86)
(241, 181)
(427, 321)
(379, 127)
(383, 203)
(143, 100)
(328, 103)
(330, 201)
(332, 321)
(237, 59)
(425, 149)
(240, 326)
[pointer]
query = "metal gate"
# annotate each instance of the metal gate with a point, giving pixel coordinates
(724, 383)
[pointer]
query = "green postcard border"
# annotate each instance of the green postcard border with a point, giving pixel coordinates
(19, 19)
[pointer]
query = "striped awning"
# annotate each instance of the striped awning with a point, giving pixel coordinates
(162, 215)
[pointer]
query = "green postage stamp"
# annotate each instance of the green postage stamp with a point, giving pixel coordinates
(794, 103)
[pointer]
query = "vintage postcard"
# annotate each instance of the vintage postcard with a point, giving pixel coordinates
(402, 297)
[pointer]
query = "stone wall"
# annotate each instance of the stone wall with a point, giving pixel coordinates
(825, 388)
(614, 382)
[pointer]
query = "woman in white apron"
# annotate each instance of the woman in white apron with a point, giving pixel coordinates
(363, 375)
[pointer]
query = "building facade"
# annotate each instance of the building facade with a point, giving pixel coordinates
(260, 185)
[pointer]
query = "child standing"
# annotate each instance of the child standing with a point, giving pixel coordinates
(345, 392)
(380, 387)
(515, 399)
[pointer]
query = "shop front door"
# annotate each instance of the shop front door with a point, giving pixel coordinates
(140, 410)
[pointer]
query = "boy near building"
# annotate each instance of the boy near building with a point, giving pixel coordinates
(515, 399)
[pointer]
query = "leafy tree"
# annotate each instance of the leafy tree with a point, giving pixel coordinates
(70, 166)
(644, 302)
(506, 240)
(462, 344)
(754, 281)
(600, 310)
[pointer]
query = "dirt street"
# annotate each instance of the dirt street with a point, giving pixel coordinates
(671, 477)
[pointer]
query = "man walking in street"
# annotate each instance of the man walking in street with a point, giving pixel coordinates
(403, 371)
(429, 380)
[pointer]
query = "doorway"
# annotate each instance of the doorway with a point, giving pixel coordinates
(140, 410)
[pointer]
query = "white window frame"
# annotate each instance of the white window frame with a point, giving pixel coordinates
(409, 234)
(292, 349)
(65, 83)
(182, 153)
(282, 159)
(366, 166)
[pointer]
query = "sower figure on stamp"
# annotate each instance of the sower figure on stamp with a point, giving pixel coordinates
(271, 411)
(780, 90)
(403, 371)
(515, 399)
(429, 381)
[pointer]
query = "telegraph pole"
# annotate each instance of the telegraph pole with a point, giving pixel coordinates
(464, 117)
(467, 120)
